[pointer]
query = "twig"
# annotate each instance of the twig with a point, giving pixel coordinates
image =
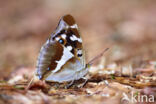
(29, 84)
(97, 57)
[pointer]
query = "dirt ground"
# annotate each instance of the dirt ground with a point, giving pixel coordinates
(126, 74)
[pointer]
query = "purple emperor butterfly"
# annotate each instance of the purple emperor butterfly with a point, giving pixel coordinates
(62, 57)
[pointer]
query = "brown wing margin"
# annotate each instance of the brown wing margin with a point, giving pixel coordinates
(69, 19)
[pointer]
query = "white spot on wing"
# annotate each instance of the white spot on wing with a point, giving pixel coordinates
(79, 52)
(57, 38)
(66, 56)
(80, 40)
(63, 36)
(74, 26)
(74, 38)
(69, 47)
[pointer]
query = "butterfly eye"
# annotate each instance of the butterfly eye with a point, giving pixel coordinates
(61, 41)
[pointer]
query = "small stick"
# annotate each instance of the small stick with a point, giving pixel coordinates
(29, 84)
(97, 57)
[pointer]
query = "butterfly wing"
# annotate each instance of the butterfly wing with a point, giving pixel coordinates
(67, 33)
(62, 55)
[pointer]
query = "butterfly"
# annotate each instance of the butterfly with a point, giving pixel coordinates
(62, 57)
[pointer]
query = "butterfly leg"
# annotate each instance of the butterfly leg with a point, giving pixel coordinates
(69, 85)
(84, 83)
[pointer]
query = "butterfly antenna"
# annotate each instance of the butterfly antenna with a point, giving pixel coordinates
(97, 57)
(29, 84)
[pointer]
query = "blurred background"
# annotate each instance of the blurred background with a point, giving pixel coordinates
(127, 27)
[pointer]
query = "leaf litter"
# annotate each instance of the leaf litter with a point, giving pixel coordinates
(104, 84)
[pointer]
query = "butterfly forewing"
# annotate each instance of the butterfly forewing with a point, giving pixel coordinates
(68, 35)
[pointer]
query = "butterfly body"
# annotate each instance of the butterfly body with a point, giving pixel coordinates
(62, 57)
